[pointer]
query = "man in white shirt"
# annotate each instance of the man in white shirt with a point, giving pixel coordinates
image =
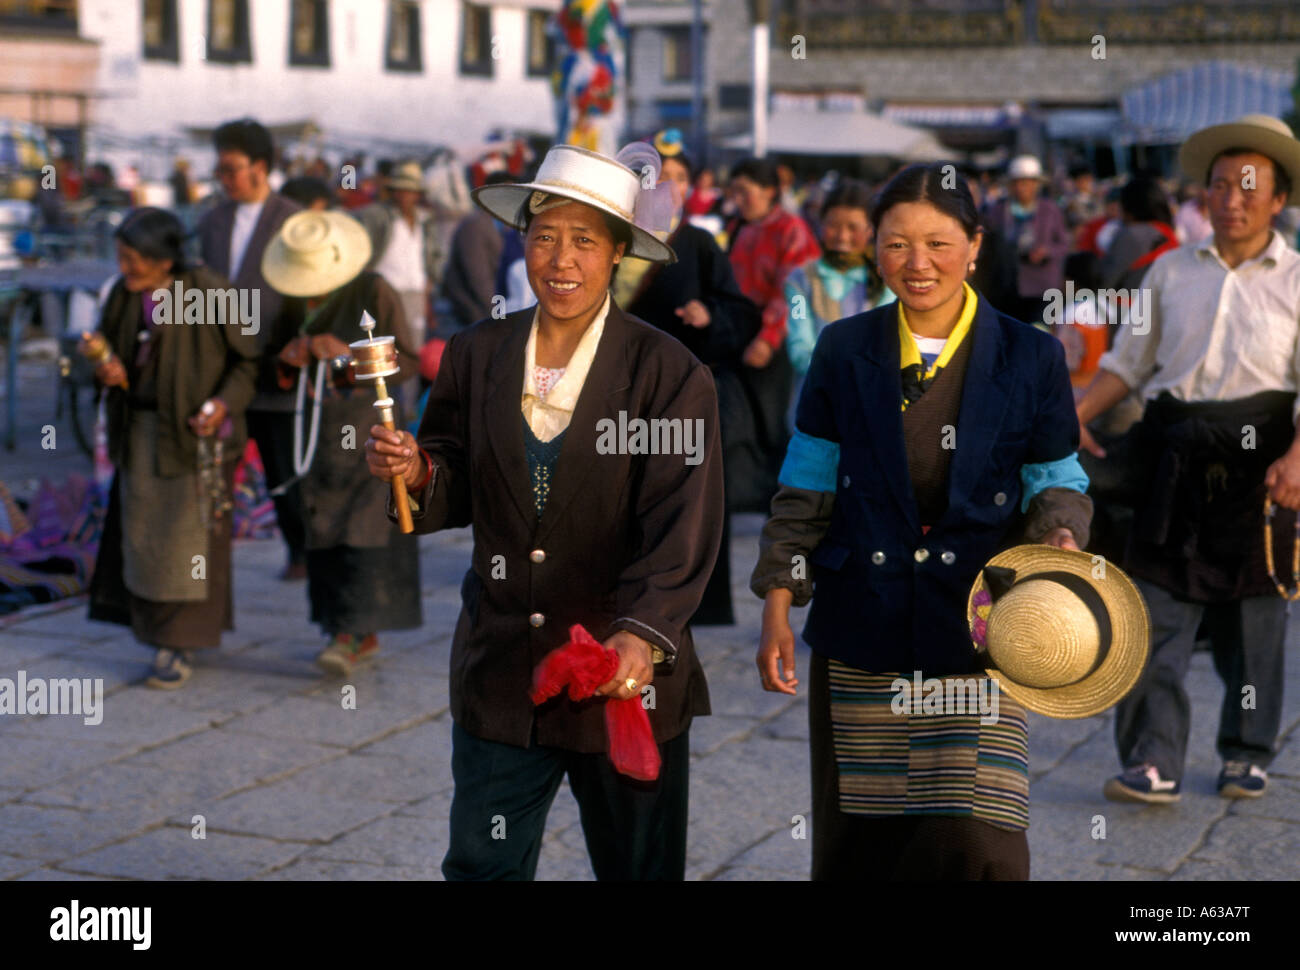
(1215, 357)
(232, 238)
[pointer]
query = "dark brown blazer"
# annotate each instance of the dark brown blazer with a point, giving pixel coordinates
(625, 542)
(195, 362)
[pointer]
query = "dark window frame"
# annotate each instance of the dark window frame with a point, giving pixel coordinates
(170, 48)
(242, 50)
(320, 57)
(549, 68)
(484, 66)
(43, 22)
(414, 63)
(675, 35)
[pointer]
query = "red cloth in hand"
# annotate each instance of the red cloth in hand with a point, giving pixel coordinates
(582, 665)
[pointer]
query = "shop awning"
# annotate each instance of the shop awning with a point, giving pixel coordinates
(848, 133)
(1164, 111)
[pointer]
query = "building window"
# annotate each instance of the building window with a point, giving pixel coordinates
(403, 50)
(228, 32)
(541, 44)
(45, 16)
(677, 54)
(161, 36)
(309, 33)
(475, 39)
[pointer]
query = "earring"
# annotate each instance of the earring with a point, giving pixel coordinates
(971, 268)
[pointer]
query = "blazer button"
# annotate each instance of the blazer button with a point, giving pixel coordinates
(877, 557)
(948, 558)
(537, 619)
(1000, 498)
(922, 554)
(537, 555)
(845, 481)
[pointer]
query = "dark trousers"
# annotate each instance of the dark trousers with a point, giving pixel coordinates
(273, 432)
(895, 848)
(635, 830)
(1247, 638)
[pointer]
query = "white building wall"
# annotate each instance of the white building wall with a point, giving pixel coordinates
(355, 96)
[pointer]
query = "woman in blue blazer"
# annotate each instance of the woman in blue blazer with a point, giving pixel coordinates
(930, 433)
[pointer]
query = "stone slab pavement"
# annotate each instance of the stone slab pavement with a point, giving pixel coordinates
(292, 785)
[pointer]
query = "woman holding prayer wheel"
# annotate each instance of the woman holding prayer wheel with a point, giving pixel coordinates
(363, 575)
(574, 525)
(177, 383)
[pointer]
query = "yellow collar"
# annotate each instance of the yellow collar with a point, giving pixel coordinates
(910, 354)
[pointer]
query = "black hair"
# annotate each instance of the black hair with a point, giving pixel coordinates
(1143, 200)
(247, 136)
(925, 183)
(849, 193)
(618, 229)
(760, 170)
(154, 234)
(1281, 177)
(681, 158)
(306, 189)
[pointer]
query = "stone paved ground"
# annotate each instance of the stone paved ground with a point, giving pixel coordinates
(292, 786)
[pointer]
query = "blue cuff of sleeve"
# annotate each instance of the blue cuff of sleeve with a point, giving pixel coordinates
(1065, 473)
(810, 463)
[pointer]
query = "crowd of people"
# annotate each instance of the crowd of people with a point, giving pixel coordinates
(881, 370)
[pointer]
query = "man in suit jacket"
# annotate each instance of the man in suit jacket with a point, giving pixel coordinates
(232, 238)
(579, 517)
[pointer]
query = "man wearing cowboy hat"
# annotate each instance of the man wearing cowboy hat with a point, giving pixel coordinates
(1034, 242)
(1219, 367)
(404, 245)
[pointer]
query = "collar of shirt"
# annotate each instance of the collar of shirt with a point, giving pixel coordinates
(549, 417)
(910, 354)
(1269, 257)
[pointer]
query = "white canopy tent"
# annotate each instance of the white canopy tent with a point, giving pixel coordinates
(856, 133)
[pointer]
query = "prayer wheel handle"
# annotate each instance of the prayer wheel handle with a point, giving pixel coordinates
(374, 359)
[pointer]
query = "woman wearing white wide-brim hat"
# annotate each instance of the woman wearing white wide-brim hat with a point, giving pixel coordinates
(538, 434)
(363, 576)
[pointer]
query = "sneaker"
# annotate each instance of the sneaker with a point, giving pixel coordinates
(1142, 783)
(171, 668)
(1241, 779)
(345, 651)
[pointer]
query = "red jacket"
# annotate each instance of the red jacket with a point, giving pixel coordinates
(763, 254)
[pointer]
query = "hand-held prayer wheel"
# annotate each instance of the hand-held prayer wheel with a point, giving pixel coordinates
(94, 347)
(374, 359)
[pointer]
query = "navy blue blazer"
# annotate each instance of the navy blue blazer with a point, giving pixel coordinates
(887, 597)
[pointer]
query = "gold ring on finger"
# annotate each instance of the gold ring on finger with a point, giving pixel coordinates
(630, 684)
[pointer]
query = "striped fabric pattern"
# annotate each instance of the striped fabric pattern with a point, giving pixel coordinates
(926, 764)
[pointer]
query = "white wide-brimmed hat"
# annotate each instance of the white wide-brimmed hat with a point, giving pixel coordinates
(1260, 133)
(315, 253)
(1025, 167)
(583, 176)
(1064, 636)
